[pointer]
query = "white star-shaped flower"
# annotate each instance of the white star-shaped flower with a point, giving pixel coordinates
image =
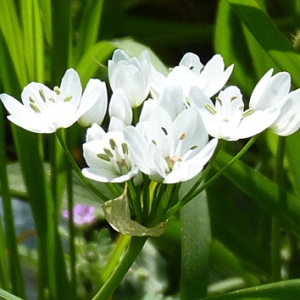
(167, 150)
(45, 110)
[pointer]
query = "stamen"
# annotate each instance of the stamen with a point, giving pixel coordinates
(191, 68)
(56, 89)
(112, 144)
(103, 156)
(42, 95)
(193, 147)
(108, 152)
(210, 108)
(34, 108)
(68, 98)
(124, 148)
(233, 98)
(154, 142)
(52, 99)
(164, 130)
(31, 99)
(219, 100)
(181, 136)
(248, 112)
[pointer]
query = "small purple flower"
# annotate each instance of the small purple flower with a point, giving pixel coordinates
(83, 214)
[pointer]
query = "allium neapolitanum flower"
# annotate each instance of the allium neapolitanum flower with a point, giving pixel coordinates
(132, 75)
(274, 91)
(191, 72)
(45, 110)
(226, 118)
(107, 156)
(170, 151)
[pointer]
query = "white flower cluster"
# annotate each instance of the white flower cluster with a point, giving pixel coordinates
(170, 140)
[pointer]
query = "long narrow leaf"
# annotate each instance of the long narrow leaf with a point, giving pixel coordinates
(268, 36)
(89, 27)
(7, 296)
(287, 290)
(195, 246)
(263, 191)
(13, 37)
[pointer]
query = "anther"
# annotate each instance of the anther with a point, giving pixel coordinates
(42, 95)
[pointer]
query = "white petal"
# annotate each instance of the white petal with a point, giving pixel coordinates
(131, 80)
(119, 107)
(172, 98)
(257, 122)
(270, 90)
(193, 167)
(148, 107)
(95, 132)
(93, 104)
(213, 77)
(157, 83)
(25, 117)
(192, 62)
(70, 86)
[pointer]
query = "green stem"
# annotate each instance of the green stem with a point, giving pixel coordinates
(276, 224)
(77, 169)
(135, 247)
(134, 201)
(189, 196)
(72, 252)
(114, 258)
(206, 170)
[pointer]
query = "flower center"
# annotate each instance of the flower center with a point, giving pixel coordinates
(117, 156)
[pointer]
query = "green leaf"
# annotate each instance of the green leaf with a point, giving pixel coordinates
(7, 296)
(33, 39)
(13, 37)
(268, 36)
(94, 60)
(230, 41)
(222, 256)
(287, 290)
(195, 245)
(61, 57)
(263, 191)
(89, 27)
(292, 152)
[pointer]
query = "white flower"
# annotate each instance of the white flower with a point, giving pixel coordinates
(226, 119)
(44, 110)
(273, 92)
(191, 72)
(132, 75)
(170, 151)
(108, 157)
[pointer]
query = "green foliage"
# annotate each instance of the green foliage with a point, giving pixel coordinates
(225, 243)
